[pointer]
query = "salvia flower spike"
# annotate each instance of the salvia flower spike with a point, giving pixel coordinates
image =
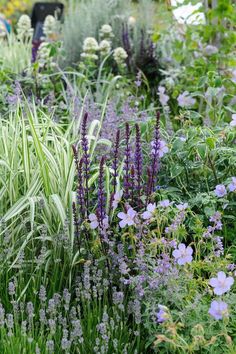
(138, 162)
(86, 159)
(127, 161)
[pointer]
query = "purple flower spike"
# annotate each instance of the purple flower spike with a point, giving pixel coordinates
(127, 162)
(86, 160)
(80, 188)
(115, 161)
(101, 213)
(75, 220)
(155, 153)
(132, 183)
(138, 161)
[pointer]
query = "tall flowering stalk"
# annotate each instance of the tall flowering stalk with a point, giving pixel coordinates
(80, 187)
(101, 212)
(149, 183)
(115, 160)
(155, 154)
(86, 160)
(76, 158)
(132, 183)
(138, 162)
(127, 161)
(76, 222)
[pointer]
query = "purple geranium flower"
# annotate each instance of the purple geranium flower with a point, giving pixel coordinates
(232, 186)
(221, 284)
(163, 98)
(93, 221)
(127, 218)
(233, 121)
(162, 314)
(165, 203)
(185, 100)
(220, 191)
(183, 254)
(148, 214)
(163, 148)
(182, 206)
(218, 310)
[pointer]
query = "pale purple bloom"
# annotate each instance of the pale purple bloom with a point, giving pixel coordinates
(173, 243)
(93, 221)
(232, 186)
(210, 50)
(233, 78)
(127, 218)
(182, 206)
(220, 191)
(163, 148)
(231, 267)
(165, 203)
(138, 81)
(105, 223)
(117, 198)
(163, 98)
(218, 246)
(218, 310)
(185, 100)
(233, 121)
(221, 284)
(215, 217)
(183, 254)
(148, 214)
(162, 314)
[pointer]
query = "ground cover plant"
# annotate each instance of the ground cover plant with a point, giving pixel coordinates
(118, 183)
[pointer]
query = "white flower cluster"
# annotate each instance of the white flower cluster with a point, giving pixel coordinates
(90, 47)
(43, 55)
(106, 32)
(104, 47)
(120, 56)
(50, 27)
(106, 36)
(24, 29)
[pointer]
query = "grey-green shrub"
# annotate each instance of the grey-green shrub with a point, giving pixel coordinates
(85, 18)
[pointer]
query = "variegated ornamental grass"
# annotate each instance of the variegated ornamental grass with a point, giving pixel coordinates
(37, 168)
